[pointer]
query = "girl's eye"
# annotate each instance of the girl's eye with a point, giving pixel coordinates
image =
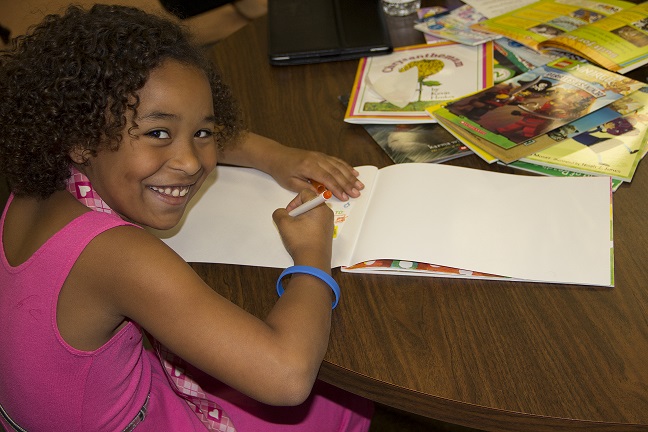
(204, 133)
(160, 134)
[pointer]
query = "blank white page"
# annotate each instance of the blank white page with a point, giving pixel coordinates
(230, 221)
(535, 228)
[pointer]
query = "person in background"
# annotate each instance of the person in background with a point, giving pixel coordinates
(5, 33)
(183, 9)
(211, 20)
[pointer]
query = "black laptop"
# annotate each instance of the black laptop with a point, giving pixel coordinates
(314, 31)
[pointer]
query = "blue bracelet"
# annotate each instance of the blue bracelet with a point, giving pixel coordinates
(313, 271)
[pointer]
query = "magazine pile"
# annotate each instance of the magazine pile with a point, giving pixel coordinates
(610, 33)
(391, 93)
(567, 115)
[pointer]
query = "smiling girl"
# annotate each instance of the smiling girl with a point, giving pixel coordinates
(111, 120)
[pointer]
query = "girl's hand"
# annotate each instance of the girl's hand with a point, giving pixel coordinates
(308, 238)
(295, 167)
(292, 168)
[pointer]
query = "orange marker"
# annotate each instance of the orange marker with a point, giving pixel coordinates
(324, 194)
(318, 186)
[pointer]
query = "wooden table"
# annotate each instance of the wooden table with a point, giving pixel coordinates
(488, 355)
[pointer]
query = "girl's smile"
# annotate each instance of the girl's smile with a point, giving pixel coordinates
(175, 191)
(167, 149)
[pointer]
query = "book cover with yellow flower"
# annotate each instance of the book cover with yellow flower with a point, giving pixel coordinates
(397, 88)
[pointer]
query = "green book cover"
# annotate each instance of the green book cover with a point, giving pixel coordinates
(555, 172)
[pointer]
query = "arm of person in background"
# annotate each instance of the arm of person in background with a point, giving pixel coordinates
(292, 168)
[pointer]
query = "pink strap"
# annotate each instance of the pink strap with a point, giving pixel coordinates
(209, 412)
(80, 188)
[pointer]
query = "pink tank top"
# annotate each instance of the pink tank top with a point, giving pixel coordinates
(45, 384)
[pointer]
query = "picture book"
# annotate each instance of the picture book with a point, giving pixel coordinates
(492, 153)
(396, 88)
(417, 143)
(531, 104)
(610, 33)
(455, 26)
(409, 268)
(505, 64)
(618, 43)
(523, 56)
(477, 221)
(614, 148)
(488, 151)
(425, 13)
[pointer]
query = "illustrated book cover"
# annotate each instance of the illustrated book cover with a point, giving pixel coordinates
(417, 143)
(613, 148)
(492, 153)
(610, 33)
(524, 57)
(515, 111)
(506, 65)
(409, 268)
(505, 225)
(425, 13)
(396, 88)
(455, 26)
(485, 149)
(618, 43)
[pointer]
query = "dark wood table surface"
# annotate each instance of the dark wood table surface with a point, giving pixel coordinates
(498, 356)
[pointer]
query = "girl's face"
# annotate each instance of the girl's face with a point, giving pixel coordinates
(160, 164)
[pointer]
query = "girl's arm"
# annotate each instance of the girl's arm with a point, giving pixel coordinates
(292, 167)
(274, 360)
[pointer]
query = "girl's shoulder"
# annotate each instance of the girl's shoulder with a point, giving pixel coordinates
(30, 225)
(126, 251)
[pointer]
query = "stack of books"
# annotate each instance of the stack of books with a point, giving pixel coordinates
(537, 85)
(573, 117)
(392, 92)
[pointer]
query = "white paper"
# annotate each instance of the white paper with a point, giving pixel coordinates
(533, 228)
(230, 221)
(546, 229)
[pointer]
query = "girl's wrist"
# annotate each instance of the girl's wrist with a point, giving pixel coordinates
(322, 263)
(263, 152)
(315, 272)
(253, 151)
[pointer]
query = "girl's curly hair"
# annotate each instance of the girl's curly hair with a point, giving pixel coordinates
(70, 81)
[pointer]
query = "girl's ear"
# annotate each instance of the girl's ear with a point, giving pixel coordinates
(79, 155)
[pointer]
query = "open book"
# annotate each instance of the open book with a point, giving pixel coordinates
(519, 227)
(610, 33)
